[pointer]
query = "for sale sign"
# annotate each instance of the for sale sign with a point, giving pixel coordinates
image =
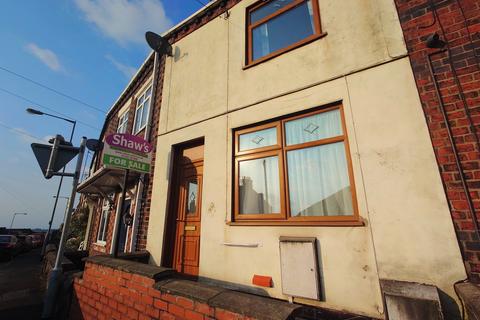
(126, 151)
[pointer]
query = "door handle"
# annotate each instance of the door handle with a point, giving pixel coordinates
(190, 228)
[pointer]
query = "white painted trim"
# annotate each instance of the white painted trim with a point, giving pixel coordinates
(208, 5)
(148, 86)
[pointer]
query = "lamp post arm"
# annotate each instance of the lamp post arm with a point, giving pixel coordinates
(73, 129)
(13, 219)
(62, 118)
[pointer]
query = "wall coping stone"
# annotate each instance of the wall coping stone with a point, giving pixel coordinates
(470, 295)
(146, 270)
(167, 281)
(241, 303)
(189, 289)
(253, 306)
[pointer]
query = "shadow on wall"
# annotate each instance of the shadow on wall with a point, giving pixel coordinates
(178, 55)
(308, 313)
(449, 306)
(323, 295)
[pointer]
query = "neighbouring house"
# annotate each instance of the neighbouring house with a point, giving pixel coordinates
(442, 38)
(310, 163)
(132, 113)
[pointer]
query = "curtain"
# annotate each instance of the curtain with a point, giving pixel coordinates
(318, 181)
(258, 139)
(316, 127)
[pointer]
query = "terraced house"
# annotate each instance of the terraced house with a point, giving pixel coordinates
(298, 147)
(132, 113)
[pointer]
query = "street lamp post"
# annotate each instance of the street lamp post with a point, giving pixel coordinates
(68, 203)
(74, 123)
(14, 215)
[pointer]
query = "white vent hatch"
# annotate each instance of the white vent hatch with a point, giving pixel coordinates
(299, 267)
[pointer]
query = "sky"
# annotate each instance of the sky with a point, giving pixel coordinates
(87, 50)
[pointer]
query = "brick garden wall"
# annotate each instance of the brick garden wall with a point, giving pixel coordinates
(124, 289)
(105, 293)
(458, 23)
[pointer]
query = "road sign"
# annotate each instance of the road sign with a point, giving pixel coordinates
(126, 151)
(43, 151)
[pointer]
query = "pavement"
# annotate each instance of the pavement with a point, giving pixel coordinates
(21, 287)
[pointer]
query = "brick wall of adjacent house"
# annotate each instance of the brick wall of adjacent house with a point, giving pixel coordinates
(214, 12)
(458, 23)
(110, 127)
(105, 293)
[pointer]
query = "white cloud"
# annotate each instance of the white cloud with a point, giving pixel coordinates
(127, 71)
(125, 21)
(48, 57)
(26, 137)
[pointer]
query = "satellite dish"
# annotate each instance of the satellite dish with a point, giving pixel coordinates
(94, 145)
(158, 44)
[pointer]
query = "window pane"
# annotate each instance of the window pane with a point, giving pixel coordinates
(140, 100)
(268, 9)
(122, 123)
(259, 186)
(318, 181)
(258, 139)
(146, 109)
(148, 92)
(316, 127)
(138, 117)
(192, 195)
(280, 32)
(101, 227)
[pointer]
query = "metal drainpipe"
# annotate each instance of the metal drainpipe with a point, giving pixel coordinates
(139, 195)
(458, 163)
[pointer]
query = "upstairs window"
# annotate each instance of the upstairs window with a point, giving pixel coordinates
(277, 26)
(296, 170)
(123, 123)
(142, 111)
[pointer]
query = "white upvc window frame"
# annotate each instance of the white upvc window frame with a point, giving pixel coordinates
(123, 122)
(103, 228)
(142, 99)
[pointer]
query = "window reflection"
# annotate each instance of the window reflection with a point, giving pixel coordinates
(268, 9)
(283, 30)
(259, 186)
(192, 195)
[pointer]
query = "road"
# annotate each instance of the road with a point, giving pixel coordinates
(21, 288)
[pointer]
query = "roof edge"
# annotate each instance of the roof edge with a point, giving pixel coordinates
(130, 83)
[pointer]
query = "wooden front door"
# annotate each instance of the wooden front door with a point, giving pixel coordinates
(188, 211)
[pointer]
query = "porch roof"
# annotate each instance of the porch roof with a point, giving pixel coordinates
(106, 180)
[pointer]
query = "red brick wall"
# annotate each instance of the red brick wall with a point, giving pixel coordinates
(105, 293)
(458, 23)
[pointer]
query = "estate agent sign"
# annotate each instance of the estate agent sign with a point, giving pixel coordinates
(127, 151)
